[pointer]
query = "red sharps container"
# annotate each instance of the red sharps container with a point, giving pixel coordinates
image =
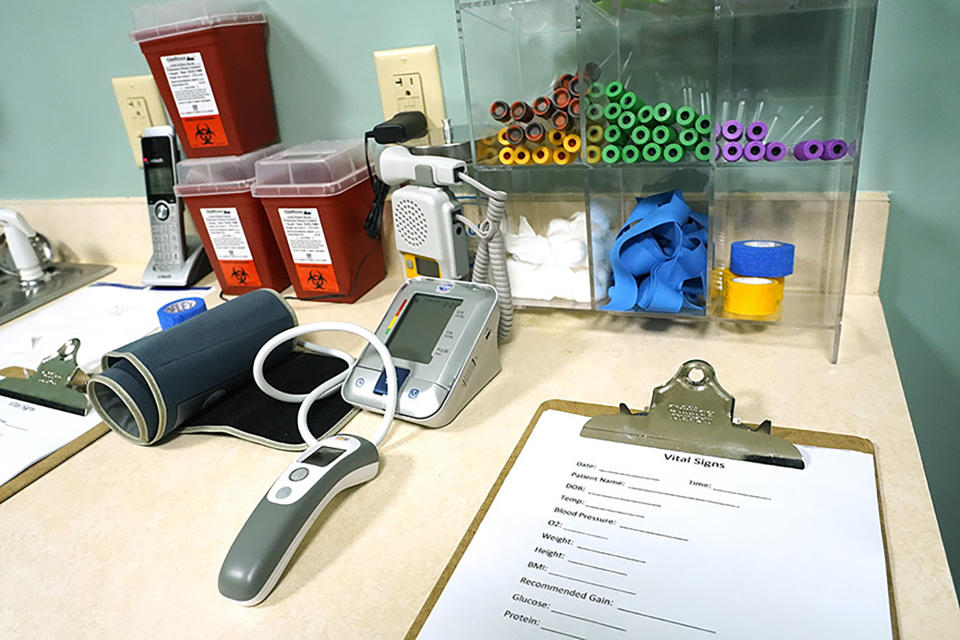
(209, 61)
(231, 222)
(317, 196)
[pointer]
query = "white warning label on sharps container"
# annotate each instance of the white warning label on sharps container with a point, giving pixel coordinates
(226, 233)
(305, 236)
(189, 84)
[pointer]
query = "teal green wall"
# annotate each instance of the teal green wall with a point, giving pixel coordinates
(57, 106)
(57, 58)
(910, 149)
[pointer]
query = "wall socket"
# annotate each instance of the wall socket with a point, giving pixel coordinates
(409, 80)
(140, 107)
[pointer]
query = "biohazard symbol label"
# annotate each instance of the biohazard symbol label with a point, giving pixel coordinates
(241, 273)
(205, 131)
(318, 277)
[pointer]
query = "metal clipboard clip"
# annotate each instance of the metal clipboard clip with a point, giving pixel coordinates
(58, 382)
(692, 413)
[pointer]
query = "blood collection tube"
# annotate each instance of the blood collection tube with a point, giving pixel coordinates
(500, 111)
(521, 111)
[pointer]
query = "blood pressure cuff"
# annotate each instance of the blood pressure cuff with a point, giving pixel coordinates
(155, 385)
(252, 415)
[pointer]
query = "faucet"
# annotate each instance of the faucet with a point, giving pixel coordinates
(20, 236)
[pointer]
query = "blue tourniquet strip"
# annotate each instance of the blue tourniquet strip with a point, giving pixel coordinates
(659, 258)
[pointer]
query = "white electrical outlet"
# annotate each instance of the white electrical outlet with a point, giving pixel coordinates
(409, 80)
(140, 107)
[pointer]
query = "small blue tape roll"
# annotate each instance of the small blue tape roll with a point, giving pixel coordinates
(761, 258)
(177, 311)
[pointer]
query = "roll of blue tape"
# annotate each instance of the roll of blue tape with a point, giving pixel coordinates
(761, 258)
(177, 311)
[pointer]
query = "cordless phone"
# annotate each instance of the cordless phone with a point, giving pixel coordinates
(178, 260)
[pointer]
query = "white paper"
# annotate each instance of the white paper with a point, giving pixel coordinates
(103, 316)
(29, 432)
(592, 539)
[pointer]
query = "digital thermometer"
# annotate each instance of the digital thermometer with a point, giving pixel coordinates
(276, 527)
(442, 336)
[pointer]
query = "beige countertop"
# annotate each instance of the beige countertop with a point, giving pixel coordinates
(122, 540)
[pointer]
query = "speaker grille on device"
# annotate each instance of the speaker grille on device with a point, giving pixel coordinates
(410, 222)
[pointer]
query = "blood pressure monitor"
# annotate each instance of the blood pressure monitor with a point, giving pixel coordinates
(442, 335)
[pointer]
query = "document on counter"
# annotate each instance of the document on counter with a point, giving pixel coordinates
(29, 432)
(103, 316)
(590, 539)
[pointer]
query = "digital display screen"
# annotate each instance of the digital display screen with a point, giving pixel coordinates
(323, 456)
(418, 329)
(159, 180)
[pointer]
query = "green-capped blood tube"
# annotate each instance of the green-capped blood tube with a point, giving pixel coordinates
(614, 90)
(612, 111)
(640, 136)
(664, 113)
(662, 134)
(703, 125)
(613, 134)
(630, 154)
(627, 120)
(686, 116)
(704, 151)
(689, 138)
(594, 113)
(596, 91)
(652, 152)
(611, 154)
(630, 102)
(645, 114)
(673, 152)
(594, 133)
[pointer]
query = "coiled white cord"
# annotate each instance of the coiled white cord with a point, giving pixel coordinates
(332, 385)
(490, 263)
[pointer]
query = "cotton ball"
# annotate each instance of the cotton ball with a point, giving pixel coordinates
(527, 281)
(524, 228)
(580, 285)
(532, 249)
(571, 252)
(559, 225)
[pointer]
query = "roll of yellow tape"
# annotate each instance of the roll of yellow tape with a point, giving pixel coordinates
(751, 296)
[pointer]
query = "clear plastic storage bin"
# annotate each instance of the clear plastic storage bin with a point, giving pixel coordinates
(752, 110)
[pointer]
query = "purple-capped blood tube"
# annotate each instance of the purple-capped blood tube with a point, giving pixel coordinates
(757, 131)
(775, 151)
(753, 151)
(717, 152)
(834, 149)
(732, 130)
(719, 132)
(808, 150)
(732, 151)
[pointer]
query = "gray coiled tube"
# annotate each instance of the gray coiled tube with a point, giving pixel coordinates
(490, 263)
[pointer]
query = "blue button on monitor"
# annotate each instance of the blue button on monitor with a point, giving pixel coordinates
(381, 387)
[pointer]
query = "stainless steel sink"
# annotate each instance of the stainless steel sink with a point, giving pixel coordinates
(59, 279)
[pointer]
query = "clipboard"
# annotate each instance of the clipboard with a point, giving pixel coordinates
(614, 424)
(41, 467)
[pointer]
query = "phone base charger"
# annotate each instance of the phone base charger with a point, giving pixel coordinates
(195, 266)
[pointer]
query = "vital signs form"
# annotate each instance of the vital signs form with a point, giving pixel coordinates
(595, 539)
